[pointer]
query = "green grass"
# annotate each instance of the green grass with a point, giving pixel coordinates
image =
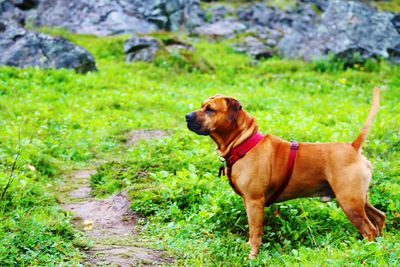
(392, 6)
(67, 120)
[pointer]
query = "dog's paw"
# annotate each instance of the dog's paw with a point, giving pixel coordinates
(252, 256)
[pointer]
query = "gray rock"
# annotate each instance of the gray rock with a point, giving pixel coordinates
(11, 14)
(219, 12)
(169, 14)
(254, 47)
(262, 15)
(139, 48)
(261, 42)
(90, 17)
(21, 48)
(24, 4)
(396, 22)
(394, 54)
(175, 46)
(109, 17)
(258, 14)
(221, 29)
(349, 30)
(299, 18)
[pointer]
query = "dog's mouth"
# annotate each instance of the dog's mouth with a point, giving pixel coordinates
(197, 128)
(194, 125)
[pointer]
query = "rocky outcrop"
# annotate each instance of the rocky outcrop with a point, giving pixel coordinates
(311, 29)
(109, 17)
(22, 48)
(349, 30)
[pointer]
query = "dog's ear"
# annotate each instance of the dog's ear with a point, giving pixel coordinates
(233, 108)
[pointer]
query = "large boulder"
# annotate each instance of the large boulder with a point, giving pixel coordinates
(349, 30)
(22, 48)
(109, 17)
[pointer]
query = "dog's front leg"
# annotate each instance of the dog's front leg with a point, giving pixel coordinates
(255, 216)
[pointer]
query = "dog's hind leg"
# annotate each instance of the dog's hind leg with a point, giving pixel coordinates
(350, 191)
(354, 208)
(376, 216)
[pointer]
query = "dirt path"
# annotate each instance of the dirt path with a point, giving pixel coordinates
(109, 224)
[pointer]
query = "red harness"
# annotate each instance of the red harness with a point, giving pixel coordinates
(240, 151)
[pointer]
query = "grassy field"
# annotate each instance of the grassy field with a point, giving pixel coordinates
(53, 121)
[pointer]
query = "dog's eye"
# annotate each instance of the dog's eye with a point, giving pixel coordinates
(209, 110)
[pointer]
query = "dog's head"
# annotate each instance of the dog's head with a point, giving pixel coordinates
(215, 114)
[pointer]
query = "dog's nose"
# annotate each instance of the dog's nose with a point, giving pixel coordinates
(190, 116)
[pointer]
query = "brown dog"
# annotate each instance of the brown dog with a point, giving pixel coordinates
(320, 169)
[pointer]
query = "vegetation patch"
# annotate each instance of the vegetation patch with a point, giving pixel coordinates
(57, 120)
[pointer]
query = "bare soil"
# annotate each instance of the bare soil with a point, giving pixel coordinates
(144, 134)
(104, 218)
(109, 223)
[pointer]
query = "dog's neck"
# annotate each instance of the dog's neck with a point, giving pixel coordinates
(238, 131)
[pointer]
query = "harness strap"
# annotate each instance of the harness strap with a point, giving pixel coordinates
(294, 146)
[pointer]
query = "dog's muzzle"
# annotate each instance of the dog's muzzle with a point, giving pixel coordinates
(194, 125)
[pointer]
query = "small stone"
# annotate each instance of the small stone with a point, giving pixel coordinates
(140, 48)
(87, 225)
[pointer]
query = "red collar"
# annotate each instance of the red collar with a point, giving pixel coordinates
(239, 151)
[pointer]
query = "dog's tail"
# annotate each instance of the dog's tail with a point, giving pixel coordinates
(362, 136)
